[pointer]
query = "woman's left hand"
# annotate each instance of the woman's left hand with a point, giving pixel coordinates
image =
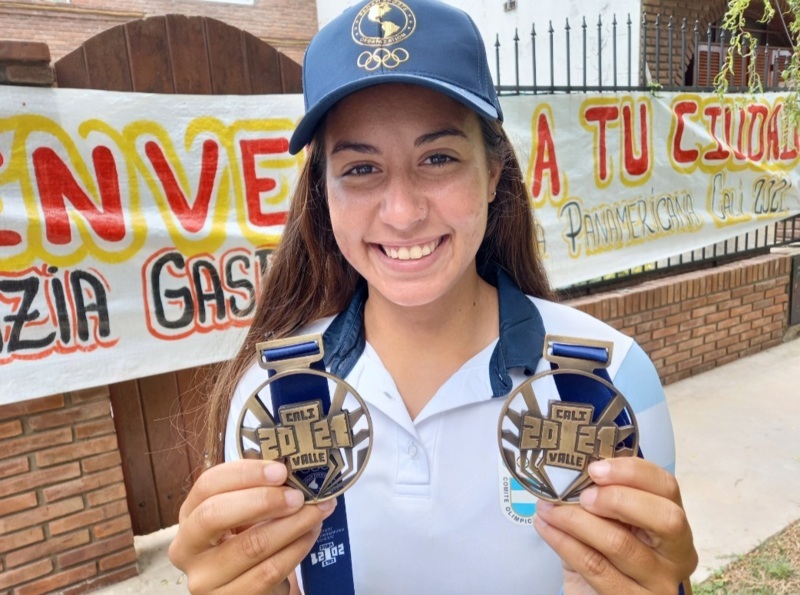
(629, 534)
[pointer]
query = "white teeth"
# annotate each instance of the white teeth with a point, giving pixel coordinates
(411, 252)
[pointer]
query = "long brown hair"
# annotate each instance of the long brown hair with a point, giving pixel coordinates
(309, 278)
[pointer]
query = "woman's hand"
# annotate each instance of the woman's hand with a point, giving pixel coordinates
(242, 531)
(629, 534)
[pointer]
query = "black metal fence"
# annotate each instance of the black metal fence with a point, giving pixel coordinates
(670, 57)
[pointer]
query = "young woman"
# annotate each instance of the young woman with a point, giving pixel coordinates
(410, 245)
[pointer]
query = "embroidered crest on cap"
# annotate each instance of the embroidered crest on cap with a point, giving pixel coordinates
(383, 23)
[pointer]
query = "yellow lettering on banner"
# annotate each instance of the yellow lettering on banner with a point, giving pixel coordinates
(626, 123)
(88, 195)
(717, 135)
(628, 222)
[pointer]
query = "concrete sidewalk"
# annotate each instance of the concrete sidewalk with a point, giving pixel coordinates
(737, 433)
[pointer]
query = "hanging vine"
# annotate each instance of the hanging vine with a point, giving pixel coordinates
(744, 44)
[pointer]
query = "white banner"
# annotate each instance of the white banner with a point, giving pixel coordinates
(133, 227)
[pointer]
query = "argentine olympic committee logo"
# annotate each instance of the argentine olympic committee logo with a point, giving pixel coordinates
(380, 24)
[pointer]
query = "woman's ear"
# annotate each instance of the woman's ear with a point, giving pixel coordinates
(494, 178)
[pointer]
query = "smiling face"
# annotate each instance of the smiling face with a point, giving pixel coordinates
(408, 187)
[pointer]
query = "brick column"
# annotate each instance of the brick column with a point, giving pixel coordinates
(64, 521)
(25, 63)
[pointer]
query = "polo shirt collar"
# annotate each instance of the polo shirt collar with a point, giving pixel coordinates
(519, 345)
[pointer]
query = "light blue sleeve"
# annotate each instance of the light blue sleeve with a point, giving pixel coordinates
(639, 383)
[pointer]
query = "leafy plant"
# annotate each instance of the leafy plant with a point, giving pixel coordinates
(744, 44)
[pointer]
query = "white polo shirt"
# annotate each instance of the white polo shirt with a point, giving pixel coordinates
(435, 510)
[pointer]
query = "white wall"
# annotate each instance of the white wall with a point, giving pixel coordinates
(492, 20)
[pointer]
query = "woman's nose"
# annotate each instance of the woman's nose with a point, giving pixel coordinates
(403, 204)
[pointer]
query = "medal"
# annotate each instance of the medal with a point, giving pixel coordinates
(319, 426)
(585, 419)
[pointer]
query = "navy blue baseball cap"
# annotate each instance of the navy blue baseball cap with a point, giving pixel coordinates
(422, 42)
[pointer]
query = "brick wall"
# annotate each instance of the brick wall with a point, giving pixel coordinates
(287, 25)
(694, 322)
(704, 12)
(64, 522)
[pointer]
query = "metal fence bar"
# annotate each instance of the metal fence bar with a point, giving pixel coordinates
(583, 26)
(569, 65)
(614, 47)
(630, 50)
(599, 50)
(497, 59)
(683, 46)
(533, 54)
(669, 51)
(658, 47)
(551, 31)
(516, 56)
(696, 46)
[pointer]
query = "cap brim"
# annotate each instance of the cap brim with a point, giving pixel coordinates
(308, 124)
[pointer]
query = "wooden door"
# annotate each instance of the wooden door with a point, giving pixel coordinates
(158, 427)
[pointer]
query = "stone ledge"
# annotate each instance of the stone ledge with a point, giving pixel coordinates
(24, 51)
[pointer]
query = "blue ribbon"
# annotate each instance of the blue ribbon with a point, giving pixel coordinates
(582, 389)
(328, 568)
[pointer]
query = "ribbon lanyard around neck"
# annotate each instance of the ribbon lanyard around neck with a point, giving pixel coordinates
(328, 568)
(594, 358)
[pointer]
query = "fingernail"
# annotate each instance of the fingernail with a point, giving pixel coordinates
(328, 505)
(588, 497)
(294, 498)
(544, 506)
(539, 521)
(274, 473)
(599, 469)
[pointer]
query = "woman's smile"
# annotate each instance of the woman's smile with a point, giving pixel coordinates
(410, 252)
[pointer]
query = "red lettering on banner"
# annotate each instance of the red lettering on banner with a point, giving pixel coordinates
(9, 238)
(738, 147)
(602, 115)
(720, 153)
(680, 155)
(774, 134)
(545, 160)
(254, 185)
(192, 218)
(636, 166)
(57, 185)
(758, 119)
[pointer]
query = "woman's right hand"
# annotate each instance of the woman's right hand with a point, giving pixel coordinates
(241, 530)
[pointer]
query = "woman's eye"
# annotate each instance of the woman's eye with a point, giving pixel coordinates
(360, 170)
(439, 159)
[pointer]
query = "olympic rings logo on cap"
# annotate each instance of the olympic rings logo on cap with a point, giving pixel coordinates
(382, 57)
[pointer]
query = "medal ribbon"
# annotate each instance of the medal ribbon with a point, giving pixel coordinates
(572, 387)
(581, 389)
(328, 568)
